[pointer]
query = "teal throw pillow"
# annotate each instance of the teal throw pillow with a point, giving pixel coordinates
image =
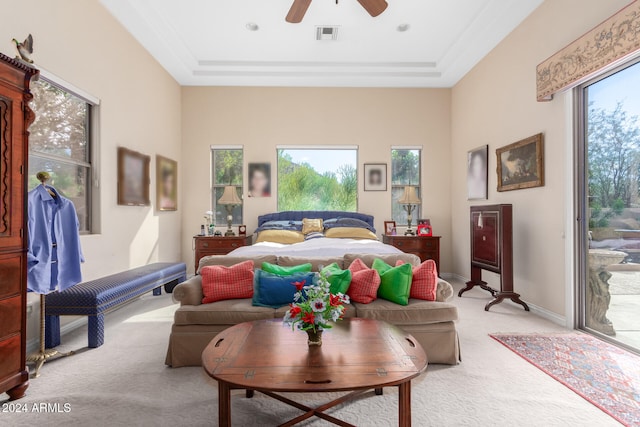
(286, 271)
(271, 290)
(395, 282)
(339, 279)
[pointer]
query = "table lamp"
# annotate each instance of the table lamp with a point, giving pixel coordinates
(409, 200)
(230, 199)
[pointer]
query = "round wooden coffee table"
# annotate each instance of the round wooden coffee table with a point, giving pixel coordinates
(357, 355)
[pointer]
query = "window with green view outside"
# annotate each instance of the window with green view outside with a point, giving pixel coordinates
(318, 179)
(227, 170)
(60, 143)
(405, 170)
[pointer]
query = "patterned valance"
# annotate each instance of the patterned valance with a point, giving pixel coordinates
(610, 42)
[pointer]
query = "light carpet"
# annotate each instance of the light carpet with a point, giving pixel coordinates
(605, 375)
(125, 382)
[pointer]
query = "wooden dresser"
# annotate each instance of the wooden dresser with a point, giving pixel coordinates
(426, 247)
(15, 118)
(218, 245)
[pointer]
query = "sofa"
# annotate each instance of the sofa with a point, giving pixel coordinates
(432, 323)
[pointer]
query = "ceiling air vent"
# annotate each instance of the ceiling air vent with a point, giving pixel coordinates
(327, 33)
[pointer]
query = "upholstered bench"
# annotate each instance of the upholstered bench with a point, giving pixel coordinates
(97, 297)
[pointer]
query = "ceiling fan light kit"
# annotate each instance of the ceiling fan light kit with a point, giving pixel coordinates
(299, 9)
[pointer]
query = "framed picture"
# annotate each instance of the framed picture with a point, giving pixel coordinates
(389, 227)
(166, 184)
(375, 177)
(478, 173)
(242, 230)
(424, 230)
(133, 178)
(424, 222)
(259, 179)
(521, 164)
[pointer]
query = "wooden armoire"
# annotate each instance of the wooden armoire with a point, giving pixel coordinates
(15, 118)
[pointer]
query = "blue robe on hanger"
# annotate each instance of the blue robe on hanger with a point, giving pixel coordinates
(54, 253)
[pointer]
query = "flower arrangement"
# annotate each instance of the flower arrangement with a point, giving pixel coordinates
(314, 306)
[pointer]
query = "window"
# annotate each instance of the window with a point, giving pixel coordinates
(227, 170)
(609, 203)
(321, 179)
(60, 143)
(405, 170)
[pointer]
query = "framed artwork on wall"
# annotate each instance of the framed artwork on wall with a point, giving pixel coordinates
(375, 177)
(478, 173)
(166, 184)
(521, 164)
(259, 179)
(133, 178)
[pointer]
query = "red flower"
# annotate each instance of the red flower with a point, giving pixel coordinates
(295, 310)
(335, 301)
(309, 318)
(299, 285)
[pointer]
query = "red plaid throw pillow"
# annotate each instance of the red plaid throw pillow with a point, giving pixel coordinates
(220, 282)
(364, 283)
(425, 280)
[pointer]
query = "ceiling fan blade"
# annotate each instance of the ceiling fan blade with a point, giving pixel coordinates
(297, 11)
(374, 7)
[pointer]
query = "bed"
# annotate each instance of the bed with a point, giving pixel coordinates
(432, 323)
(339, 233)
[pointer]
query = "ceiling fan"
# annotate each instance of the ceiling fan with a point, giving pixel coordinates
(299, 8)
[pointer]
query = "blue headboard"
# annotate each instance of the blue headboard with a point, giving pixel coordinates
(324, 215)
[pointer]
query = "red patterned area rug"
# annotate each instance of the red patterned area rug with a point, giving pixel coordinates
(603, 374)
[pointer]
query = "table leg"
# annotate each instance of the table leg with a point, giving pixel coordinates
(224, 404)
(404, 404)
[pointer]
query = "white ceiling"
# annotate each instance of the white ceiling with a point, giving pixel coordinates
(207, 42)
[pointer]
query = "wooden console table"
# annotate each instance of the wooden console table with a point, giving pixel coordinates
(218, 245)
(492, 250)
(426, 247)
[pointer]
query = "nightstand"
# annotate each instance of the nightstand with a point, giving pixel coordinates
(426, 247)
(218, 245)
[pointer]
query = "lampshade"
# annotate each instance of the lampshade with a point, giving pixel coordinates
(409, 197)
(230, 196)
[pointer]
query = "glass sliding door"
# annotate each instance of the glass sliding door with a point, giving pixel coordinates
(609, 205)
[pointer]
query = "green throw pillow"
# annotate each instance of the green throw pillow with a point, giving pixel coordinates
(395, 282)
(286, 271)
(339, 279)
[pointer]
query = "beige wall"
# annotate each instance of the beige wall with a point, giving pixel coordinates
(496, 104)
(262, 118)
(80, 42)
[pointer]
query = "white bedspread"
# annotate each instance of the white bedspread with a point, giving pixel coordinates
(325, 247)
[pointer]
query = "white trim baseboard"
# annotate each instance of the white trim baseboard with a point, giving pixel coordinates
(538, 311)
(33, 344)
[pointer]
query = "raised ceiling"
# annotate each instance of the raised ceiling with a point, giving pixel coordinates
(211, 42)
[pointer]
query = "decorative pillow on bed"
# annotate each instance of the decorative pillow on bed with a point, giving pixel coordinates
(350, 233)
(313, 235)
(286, 271)
(271, 290)
(312, 225)
(364, 283)
(220, 282)
(286, 237)
(280, 225)
(339, 279)
(347, 222)
(425, 280)
(395, 282)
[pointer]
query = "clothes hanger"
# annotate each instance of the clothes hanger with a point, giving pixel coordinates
(43, 177)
